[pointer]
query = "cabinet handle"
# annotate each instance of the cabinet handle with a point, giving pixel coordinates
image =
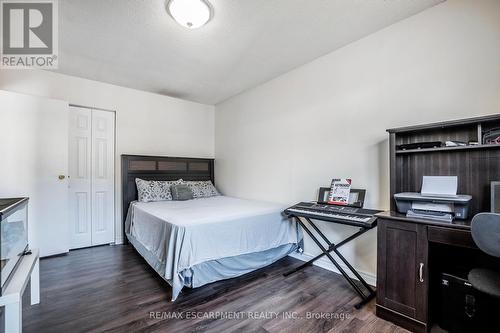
(421, 272)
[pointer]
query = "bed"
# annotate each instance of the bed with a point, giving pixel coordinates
(195, 242)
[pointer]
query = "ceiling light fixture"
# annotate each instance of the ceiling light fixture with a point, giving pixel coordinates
(191, 14)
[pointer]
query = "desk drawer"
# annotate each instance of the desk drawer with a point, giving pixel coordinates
(450, 236)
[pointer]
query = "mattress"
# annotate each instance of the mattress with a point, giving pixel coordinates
(194, 242)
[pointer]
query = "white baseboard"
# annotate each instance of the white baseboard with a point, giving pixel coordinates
(119, 241)
(325, 263)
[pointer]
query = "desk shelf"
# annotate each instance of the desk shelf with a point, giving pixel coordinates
(476, 166)
(445, 149)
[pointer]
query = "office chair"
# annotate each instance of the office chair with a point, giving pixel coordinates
(486, 234)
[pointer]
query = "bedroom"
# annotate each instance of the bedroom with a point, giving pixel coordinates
(269, 101)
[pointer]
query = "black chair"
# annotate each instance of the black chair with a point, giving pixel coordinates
(486, 234)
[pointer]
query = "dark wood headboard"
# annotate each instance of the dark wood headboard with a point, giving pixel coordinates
(160, 168)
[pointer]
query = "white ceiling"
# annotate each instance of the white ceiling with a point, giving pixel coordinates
(135, 43)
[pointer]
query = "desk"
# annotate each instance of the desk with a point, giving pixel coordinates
(403, 273)
(28, 269)
(412, 252)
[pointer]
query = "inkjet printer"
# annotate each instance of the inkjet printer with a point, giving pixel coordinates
(438, 200)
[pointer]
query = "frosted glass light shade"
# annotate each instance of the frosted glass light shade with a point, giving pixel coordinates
(191, 14)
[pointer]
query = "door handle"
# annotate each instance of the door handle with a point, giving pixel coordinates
(61, 177)
(421, 272)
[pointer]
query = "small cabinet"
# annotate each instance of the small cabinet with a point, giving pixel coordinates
(402, 279)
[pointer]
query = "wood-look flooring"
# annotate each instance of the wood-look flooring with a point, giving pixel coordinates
(112, 289)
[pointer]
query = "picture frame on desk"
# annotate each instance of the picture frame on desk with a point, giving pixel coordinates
(356, 197)
(324, 193)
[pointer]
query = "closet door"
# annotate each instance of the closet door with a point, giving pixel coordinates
(80, 196)
(103, 152)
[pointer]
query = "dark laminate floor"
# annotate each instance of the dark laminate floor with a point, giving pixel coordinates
(113, 289)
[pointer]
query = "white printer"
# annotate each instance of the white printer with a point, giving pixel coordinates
(438, 200)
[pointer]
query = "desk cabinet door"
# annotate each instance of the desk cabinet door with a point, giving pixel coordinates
(402, 268)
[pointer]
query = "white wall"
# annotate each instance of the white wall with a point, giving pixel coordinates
(146, 123)
(284, 139)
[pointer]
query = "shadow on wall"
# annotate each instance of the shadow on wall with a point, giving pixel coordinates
(365, 251)
(383, 198)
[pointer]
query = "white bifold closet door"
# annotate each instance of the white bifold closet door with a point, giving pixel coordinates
(91, 171)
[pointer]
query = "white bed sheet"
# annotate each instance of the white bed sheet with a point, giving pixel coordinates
(183, 234)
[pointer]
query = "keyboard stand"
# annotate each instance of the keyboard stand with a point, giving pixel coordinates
(334, 247)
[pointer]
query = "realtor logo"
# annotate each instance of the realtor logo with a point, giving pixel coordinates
(29, 34)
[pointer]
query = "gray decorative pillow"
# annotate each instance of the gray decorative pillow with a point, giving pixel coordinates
(181, 192)
(154, 190)
(202, 188)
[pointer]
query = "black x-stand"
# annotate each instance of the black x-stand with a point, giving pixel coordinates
(334, 247)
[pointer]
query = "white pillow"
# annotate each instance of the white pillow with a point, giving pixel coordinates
(155, 190)
(202, 188)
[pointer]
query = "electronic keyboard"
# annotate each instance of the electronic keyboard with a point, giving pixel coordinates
(334, 213)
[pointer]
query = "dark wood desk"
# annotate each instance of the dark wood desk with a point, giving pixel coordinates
(403, 274)
(412, 253)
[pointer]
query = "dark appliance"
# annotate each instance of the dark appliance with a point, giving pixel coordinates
(14, 236)
(495, 197)
(420, 145)
(465, 309)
